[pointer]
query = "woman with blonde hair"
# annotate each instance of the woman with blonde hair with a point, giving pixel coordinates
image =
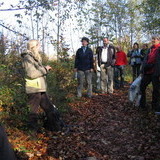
(35, 84)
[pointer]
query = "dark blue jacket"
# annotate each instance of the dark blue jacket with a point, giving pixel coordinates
(84, 61)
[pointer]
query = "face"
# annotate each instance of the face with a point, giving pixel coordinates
(84, 43)
(118, 48)
(155, 41)
(135, 46)
(38, 46)
(144, 46)
(105, 41)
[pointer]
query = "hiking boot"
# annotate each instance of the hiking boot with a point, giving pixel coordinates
(32, 123)
(157, 113)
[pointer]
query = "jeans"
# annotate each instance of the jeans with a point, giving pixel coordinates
(146, 80)
(107, 74)
(84, 75)
(98, 82)
(119, 73)
(136, 70)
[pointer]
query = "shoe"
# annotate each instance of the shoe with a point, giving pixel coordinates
(32, 123)
(157, 113)
(79, 96)
(103, 92)
(89, 96)
(110, 92)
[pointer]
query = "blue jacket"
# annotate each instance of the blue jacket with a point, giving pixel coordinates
(84, 60)
(135, 57)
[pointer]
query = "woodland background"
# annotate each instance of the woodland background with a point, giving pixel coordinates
(124, 22)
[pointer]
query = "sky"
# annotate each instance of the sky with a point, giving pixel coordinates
(72, 37)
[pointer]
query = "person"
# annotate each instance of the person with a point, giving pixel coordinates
(98, 72)
(135, 60)
(35, 85)
(106, 62)
(121, 62)
(84, 67)
(6, 151)
(144, 50)
(151, 73)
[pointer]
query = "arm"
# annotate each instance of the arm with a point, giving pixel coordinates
(138, 54)
(76, 60)
(157, 65)
(142, 53)
(91, 60)
(114, 57)
(144, 64)
(98, 55)
(129, 54)
(32, 68)
(125, 59)
(95, 63)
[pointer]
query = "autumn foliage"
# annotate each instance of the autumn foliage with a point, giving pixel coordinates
(106, 127)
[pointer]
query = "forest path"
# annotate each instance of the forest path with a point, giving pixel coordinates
(105, 127)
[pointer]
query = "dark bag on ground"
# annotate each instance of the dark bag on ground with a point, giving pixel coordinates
(54, 121)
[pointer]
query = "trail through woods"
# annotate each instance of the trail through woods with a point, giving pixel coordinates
(105, 127)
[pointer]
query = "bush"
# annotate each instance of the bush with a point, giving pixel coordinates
(12, 95)
(61, 84)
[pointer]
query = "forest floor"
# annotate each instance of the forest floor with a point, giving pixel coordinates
(105, 127)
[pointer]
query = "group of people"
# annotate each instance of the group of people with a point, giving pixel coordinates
(109, 64)
(103, 63)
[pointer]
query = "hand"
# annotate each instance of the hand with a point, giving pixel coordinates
(48, 68)
(141, 75)
(75, 70)
(91, 70)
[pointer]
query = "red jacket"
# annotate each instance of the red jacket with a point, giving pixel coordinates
(152, 58)
(152, 54)
(121, 58)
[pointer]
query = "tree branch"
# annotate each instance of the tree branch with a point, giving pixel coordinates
(13, 31)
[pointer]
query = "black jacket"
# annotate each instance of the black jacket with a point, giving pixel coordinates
(111, 56)
(6, 152)
(156, 66)
(84, 61)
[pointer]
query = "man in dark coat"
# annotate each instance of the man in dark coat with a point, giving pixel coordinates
(84, 67)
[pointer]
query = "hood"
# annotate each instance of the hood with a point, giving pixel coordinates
(23, 54)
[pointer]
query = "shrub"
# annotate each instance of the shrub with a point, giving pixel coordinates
(61, 84)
